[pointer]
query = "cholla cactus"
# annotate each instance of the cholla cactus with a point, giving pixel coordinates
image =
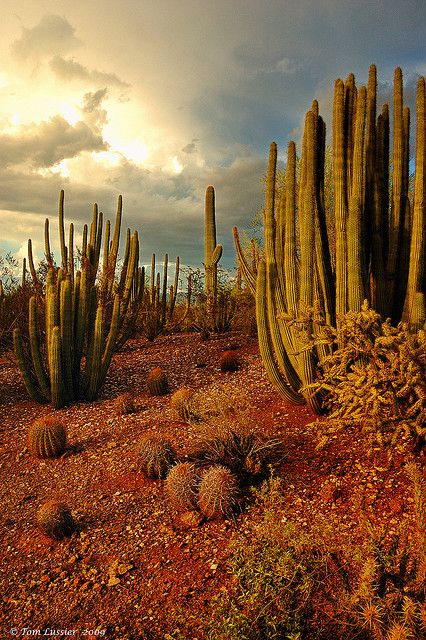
(218, 492)
(157, 382)
(47, 437)
(55, 520)
(182, 485)
(157, 456)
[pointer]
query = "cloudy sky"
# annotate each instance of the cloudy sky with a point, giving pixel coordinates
(156, 99)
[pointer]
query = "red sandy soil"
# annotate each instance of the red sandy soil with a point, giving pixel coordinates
(135, 569)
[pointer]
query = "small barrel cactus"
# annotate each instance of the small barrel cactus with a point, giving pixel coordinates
(182, 404)
(182, 485)
(55, 520)
(124, 404)
(218, 492)
(47, 437)
(229, 361)
(157, 382)
(157, 456)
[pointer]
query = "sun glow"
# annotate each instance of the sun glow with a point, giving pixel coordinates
(70, 114)
(135, 151)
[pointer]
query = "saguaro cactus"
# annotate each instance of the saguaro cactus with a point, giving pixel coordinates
(85, 318)
(212, 251)
(379, 249)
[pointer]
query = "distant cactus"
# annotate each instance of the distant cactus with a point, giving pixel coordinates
(182, 404)
(229, 361)
(157, 456)
(124, 404)
(55, 520)
(182, 486)
(218, 492)
(47, 437)
(157, 382)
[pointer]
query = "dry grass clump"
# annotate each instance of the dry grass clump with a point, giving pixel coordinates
(228, 400)
(243, 450)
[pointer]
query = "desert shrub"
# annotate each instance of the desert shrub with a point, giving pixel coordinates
(218, 492)
(315, 582)
(183, 405)
(157, 455)
(55, 520)
(47, 437)
(157, 382)
(375, 379)
(182, 484)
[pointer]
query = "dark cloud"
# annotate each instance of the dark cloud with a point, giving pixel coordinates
(71, 70)
(191, 147)
(52, 35)
(46, 144)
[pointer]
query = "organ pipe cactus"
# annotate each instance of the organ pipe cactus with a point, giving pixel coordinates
(86, 316)
(379, 253)
(159, 300)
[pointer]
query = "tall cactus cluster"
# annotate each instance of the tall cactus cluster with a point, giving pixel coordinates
(158, 307)
(303, 283)
(78, 319)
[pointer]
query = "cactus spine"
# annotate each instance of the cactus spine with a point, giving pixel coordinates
(82, 318)
(378, 256)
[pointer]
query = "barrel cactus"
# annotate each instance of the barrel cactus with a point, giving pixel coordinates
(55, 520)
(157, 455)
(182, 404)
(157, 382)
(229, 361)
(125, 404)
(47, 437)
(182, 486)
(218, 493)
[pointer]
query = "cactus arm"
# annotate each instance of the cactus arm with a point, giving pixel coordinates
(164, 291)
(64, 253)
(340, 196)
(47, 251)
(94, 364)
(291, 277)
(248, 273)
(418, 237)
(273, 372)
(42, 379)
(66, 326)
(356, 288)
(36, 282)
(71, 253)
(56, 382)
(27, 377)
